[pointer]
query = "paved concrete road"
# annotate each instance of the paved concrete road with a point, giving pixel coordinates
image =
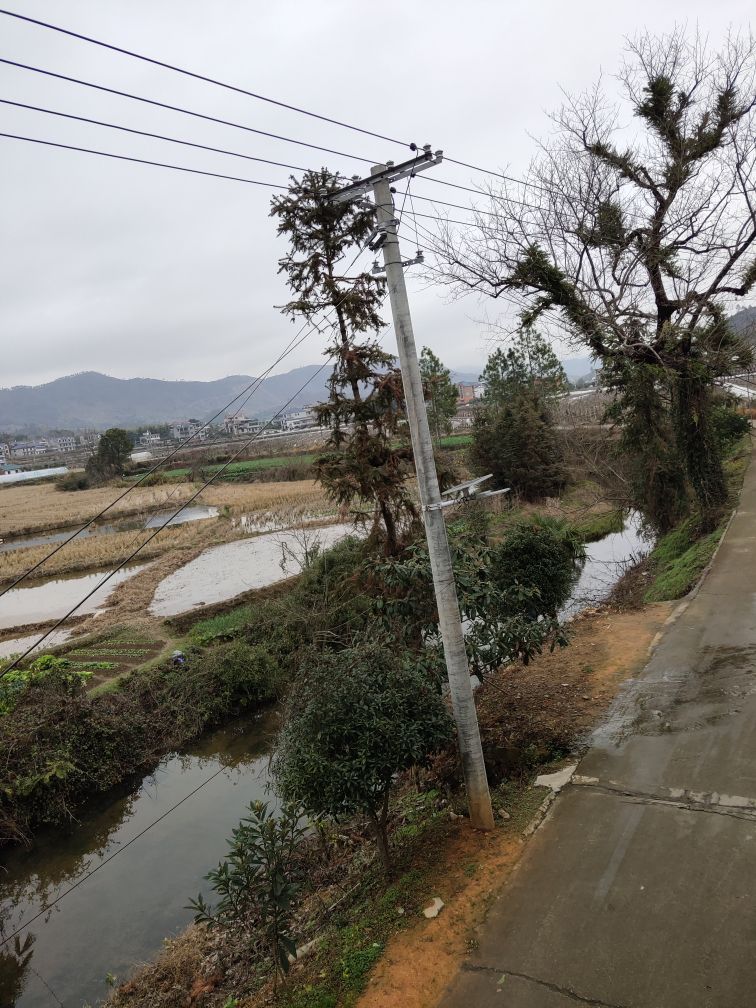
(639, 891)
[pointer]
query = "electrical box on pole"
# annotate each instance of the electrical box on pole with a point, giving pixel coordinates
(450, 623)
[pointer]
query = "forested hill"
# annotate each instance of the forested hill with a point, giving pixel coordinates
(744, 324)
(95, 400)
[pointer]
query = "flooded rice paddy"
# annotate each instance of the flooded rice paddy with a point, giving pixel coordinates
(222, 572)
(17, 645)
(41, 603)
(195, 512)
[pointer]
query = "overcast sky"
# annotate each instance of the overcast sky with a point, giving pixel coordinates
(141, 271)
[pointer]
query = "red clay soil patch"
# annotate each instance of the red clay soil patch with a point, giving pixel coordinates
(564, 694)
(418, 963)
(542, 709)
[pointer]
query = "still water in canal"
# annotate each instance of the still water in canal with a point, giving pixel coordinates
(119, 916)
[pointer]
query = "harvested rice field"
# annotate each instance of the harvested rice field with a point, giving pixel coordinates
(25, 509)
(243, 509)
(97, 552)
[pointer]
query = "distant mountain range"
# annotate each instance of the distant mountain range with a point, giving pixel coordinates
(744, 324)
(90, 400)
(94, 400)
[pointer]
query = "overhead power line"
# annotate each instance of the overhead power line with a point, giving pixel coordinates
(200, 77)
(184, 111)
(244, 447)
(273, 101)
(292, 345)
(144, 161)
(153, 136)
(247, 392)
(231, 153)
(497, 174)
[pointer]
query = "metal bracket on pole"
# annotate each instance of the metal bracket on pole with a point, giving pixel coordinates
(421, 162)
(418, 260)
(465, 492)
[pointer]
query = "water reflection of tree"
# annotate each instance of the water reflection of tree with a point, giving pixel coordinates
(14, 967)
(34, 879)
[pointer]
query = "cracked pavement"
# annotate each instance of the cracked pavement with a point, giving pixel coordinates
(639, 889)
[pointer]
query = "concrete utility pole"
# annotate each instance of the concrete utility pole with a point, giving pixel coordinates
(460, 686)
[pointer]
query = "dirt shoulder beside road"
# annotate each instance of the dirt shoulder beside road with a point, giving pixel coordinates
(562, 695)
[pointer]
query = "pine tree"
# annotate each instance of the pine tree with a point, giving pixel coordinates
(368, 456)
(517, 442)
(440, 393)
(513, 431)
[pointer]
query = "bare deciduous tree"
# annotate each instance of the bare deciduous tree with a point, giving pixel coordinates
(638, 234)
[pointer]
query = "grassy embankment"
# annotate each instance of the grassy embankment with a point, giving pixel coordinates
(680, 557)
(62, 743)
(249, 469)
(582, 506)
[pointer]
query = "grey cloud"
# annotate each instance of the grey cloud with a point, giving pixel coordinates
(136, 270)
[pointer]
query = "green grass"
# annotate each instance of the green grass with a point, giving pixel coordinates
(596, 526)
(117, 651)
(681, 556)
(273, 462)
(352, 947)
(456, 441)
(358, 934)
(224, 625)
(240, 468)
(94, 665)
(679, 559)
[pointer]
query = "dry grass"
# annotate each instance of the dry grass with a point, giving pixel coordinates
(296, 497)
(174, 978)
(270, 505)
(98, 551)
(42, 507)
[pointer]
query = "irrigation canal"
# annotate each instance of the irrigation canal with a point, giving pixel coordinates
(119, 916)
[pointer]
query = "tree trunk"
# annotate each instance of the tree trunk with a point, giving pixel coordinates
(390, 525)
(379, 820)
(698, 445)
